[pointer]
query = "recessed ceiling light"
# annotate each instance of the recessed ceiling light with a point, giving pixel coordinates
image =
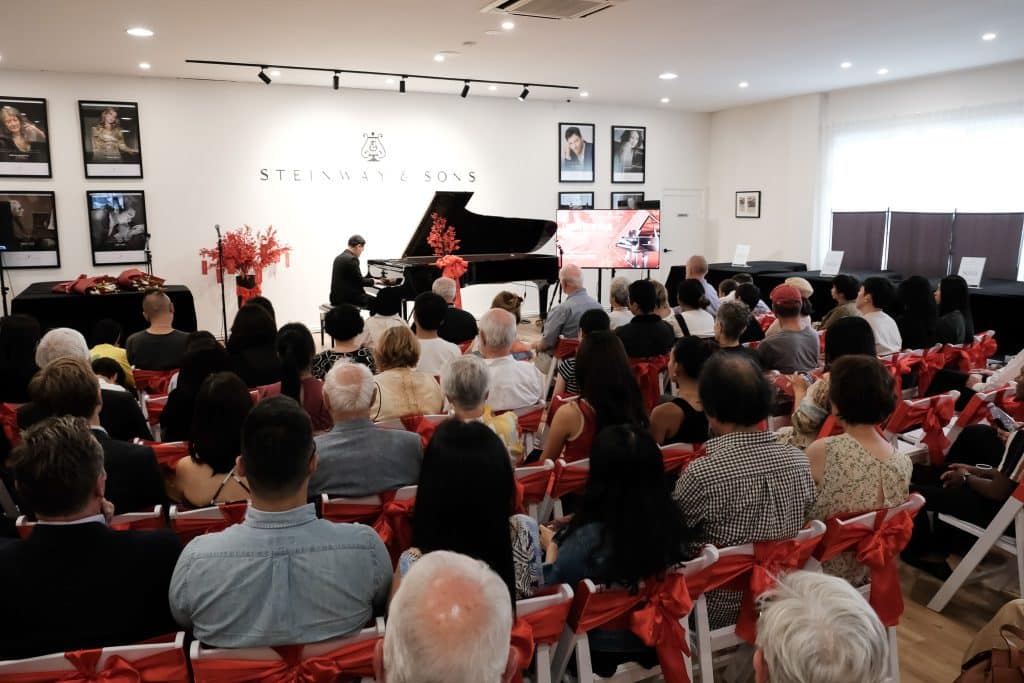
(508, 25)
(846, 65)
(584, 94)
(744, 84)
(988, 36)
(275, 73)
(439, 57)
(139, 32)
(668, 76)
(665, 100)
(883, 71)
(145, 66)
(492, 88)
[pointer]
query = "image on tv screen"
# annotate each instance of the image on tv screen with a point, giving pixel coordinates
(610, 238)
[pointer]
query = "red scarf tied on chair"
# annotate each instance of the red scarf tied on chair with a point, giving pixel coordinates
(168, 666)
(983, 348)
(350, 661)
(877, 549)
(647, 372)
(900, 367)
(420, 425)
(394, 526)
(939, 413)
(543, 626)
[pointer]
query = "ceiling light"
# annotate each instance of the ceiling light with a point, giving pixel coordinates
(336, 81)
(668, 76)
(139, 32)
(439, 57)
(263, 76)
(744, 84)
(492, 88)
(275, 73)
(508, 25)
(584, 94)
(665, 100)
(526, 93)
(465, 90)
(401, 85)
(988, 36)
(145, 66)
(846, 65)
(883, 71)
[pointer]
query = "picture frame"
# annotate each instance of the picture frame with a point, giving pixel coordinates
(28, 228)
(575, 200)
(118, 230)
(629, 151)
(24, 138)
(111, 139)
(576, 152)
(626, 200)
(748, 204)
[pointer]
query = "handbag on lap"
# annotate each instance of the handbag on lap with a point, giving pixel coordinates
(998, 665)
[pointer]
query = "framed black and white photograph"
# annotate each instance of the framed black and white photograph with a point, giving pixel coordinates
(24, 138)
(111, 141)
(575, 152)
(575, 200)
(629, 144)
(748, 204)
(117, 227)
(627, 200)
(28, 229)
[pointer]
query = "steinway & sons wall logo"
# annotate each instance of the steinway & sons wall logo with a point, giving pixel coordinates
(372, 151)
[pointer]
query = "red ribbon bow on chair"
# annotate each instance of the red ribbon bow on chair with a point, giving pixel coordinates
(394, 526)
(153, 381)
(931, 362)
(983, 348)
(420, 425)
(940, 412)
(353, 661)
(901, 366)
(647, 371)
(168, 666)
(9, 423)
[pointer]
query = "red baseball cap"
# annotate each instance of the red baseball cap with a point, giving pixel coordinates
(784, 294)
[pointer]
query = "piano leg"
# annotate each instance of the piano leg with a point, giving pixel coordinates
(542, 293)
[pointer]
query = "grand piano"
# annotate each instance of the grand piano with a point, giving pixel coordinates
(496, 250)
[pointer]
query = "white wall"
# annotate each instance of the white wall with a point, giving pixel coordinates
(204, 144)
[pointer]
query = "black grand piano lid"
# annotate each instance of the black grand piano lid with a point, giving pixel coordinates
(479, 234)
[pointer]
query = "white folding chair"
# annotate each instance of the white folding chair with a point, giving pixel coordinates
(542, 650)
(62, 668)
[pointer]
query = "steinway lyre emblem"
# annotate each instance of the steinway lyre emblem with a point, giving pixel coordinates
(373, 150)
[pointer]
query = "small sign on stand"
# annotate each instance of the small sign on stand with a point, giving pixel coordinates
(832, 263)
(739, 259)
(971, 269)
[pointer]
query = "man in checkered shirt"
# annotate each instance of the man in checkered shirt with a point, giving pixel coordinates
(748, 487)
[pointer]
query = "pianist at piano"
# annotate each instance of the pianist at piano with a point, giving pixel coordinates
(347, 281)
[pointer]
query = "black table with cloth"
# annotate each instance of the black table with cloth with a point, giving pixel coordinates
(81, 311)
(720, 271)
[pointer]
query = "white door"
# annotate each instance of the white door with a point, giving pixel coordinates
(682, 228)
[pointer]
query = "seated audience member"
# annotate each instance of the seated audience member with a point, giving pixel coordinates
(918, 313)
(609, 395)
(109, 373)
(751, 296)
(74, 583)
(401, 389)
(730, 324)
(357, 458)
(251, 345)
(594, 320)
(977, 657)
(682, 419)
(697, 269)
(457, 326)
(619, 295)
(664, 311)
(611, 538)
(19, 335)
(68, 387)
(201, 361)
(295, 348)
(806, 291)
(758, 307)
(435, 352)
(955, 324)
(466, 383)
(513, 303)
(564, 319)
(208, 476)
(694, 318)
(875, 295)
(106, 343)
(811, 405)
(815, 628)
(450, 621)
(466, 468)
(646, 335)
(345, 326)
(844, 293)
(159, 346)
(726, 290)
(264, 303)
(514, 384)
(748, 487)
(795, 347)
(387, 312)
(858, 470)
(987, 380)
(262, 582)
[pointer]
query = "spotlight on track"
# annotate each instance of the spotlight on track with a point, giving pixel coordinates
(337, 80)
(526, 93)
(401, 85)
(465, 90)
(263, 75)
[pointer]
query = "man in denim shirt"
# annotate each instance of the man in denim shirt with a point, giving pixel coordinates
(282, 576)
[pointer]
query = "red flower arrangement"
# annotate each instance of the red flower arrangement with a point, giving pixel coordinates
(443, 239)
(246, 253)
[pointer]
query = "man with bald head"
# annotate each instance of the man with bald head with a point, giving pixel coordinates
(159, 346)
(697, 269)
(564, 319)
(449, 622)
(514, 384)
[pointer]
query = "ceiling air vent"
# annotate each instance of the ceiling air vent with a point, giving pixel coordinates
(549, 9)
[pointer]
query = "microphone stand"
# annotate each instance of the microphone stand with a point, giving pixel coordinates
(149, 256)
(3, 282)
(220, 276)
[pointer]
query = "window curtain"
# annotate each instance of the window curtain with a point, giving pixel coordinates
(996, 236)
(860, 235)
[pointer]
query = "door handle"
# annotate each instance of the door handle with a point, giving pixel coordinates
(666, 250)
(682, 215)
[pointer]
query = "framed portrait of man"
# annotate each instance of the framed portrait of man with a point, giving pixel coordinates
(111, 141)
(118, 231)
(24, 138)
(575, 200)
(575, 152)
(28, 229)
(629, 145)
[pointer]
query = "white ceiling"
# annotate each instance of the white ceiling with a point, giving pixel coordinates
(781, 47)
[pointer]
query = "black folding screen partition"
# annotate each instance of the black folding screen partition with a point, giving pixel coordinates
(919, 243)
(996, 236)
(860, 235)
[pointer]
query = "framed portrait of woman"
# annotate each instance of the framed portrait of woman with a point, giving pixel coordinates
(28, 229)
(24, 138)
(111, 141)
(118, 231)
(629, 144)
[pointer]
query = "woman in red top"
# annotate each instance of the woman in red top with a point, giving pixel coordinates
(609, 395)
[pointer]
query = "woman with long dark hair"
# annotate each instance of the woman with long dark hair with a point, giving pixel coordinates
(295, 349)
(955, 324)
(609, 395)
(627, 529)
(464, 503)
(919, 316)
(19, 335)
(200, 361)
(251, 346)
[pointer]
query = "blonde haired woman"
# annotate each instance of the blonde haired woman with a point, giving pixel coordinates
(401, 389)
(108, 138)
(16, 128)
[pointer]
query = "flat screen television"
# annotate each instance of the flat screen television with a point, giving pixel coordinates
(610, 238)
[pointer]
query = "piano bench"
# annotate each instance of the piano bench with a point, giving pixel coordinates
(323, 314)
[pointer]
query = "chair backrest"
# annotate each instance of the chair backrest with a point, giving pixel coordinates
(364, 509)
(129, 521)
(814, 529)
(557, 401)
(569, 477)
(677, 456)
(913, 412)
(153, 381)
(154, 408)
(191, 523)
(765, 320)
(752, 345)
(566, 348)
(867, 520)
(830, 427)
(167, 453)
(535, 480)
(546, 614)
(530, 418)
(976, 409)
(648, 377)
(983, 348)
(167, 659)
